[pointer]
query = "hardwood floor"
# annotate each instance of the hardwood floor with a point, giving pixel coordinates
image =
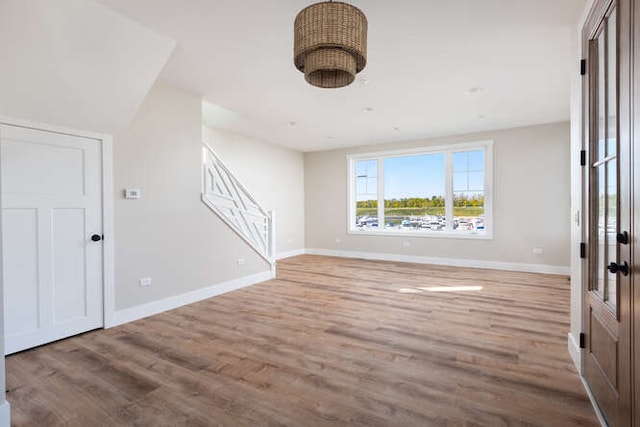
(329, 342)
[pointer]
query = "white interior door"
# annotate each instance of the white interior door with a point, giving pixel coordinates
(51, 226)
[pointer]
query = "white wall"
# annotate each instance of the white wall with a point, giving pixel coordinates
(76, 63)
(274, 176)
(531, 202)
(169, 234)
(5, 413)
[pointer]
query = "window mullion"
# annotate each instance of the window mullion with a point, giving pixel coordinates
(448, 191)
(354, 196)
(381, 194)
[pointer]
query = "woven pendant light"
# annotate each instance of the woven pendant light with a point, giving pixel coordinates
(330, 43)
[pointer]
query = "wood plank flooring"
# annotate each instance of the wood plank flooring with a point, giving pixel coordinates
(329, 342)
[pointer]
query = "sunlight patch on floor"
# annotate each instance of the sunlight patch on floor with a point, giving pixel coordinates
(440, 289)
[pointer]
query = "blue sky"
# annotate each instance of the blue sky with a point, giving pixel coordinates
(420, 176)
(414, 176)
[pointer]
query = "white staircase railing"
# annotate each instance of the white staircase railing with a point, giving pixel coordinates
(227, 197)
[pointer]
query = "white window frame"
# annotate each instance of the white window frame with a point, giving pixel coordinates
(448, 151)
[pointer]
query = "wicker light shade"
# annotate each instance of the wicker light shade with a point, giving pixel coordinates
(330, 43)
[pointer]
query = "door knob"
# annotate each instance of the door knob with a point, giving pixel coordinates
(623, 238)
(619, 268)
(96, 237)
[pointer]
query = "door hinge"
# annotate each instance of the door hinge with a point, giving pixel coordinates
(583, 343)
(583, 67)
(583, 250)
(583, 157)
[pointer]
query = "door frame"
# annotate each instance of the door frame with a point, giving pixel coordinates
(635, 203)
(594, 12)
(108, 246)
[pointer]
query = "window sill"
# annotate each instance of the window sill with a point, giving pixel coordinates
(470, 235)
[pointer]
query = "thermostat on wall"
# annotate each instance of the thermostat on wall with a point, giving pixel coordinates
(132, 193)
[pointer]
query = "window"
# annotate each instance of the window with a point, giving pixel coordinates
(434, 191)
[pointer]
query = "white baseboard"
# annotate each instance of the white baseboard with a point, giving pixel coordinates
(456, 262)
(576, 355)
(134, 313)
(596, 408)
(289, 254)
(5, 414)
(575, 351)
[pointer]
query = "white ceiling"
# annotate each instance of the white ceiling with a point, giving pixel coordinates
(423, 56)
(60, 68)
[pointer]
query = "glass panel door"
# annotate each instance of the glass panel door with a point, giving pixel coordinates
(604, 165)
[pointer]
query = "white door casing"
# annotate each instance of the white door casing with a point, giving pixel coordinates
(51, 206)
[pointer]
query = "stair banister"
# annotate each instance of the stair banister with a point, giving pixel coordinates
(225, 195)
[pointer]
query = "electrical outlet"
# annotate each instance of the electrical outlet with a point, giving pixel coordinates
(406, 244)
(241, 261)
(145, 281)
(132, 193)
(338, 240)
(538, 251)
